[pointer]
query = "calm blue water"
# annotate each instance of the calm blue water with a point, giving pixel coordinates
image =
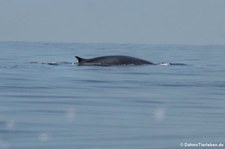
(124, 107)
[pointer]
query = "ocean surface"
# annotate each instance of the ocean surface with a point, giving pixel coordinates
(48, 102)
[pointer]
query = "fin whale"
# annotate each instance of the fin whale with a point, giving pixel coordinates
(112, 60)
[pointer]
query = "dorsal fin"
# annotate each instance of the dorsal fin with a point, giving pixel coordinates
(79, 59)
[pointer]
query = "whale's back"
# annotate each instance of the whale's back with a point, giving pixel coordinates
(112, 60)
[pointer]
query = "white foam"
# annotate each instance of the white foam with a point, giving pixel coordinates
(165, 64)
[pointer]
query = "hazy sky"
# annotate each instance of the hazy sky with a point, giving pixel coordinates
(114, 21)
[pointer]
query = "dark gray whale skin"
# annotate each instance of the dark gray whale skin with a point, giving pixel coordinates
(112, 60)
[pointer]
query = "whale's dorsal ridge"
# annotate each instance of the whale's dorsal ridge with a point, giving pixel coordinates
(112, 60)
(79, 59)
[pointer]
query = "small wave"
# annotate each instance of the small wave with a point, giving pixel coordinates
(179, 64)
(53, 63)
(174, 64)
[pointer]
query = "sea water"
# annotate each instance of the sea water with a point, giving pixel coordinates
(47, 101)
